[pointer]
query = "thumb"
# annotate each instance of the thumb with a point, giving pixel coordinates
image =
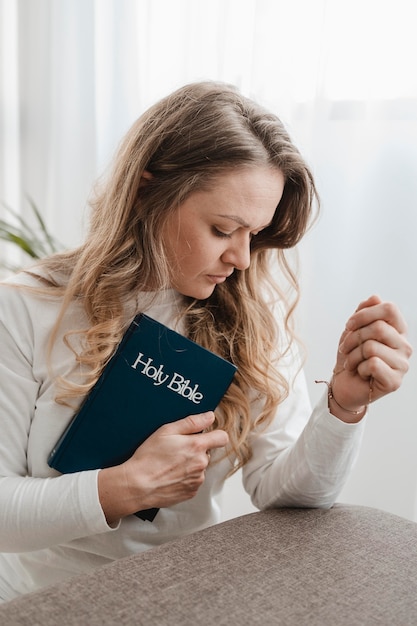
(371, 301)
(191, 424)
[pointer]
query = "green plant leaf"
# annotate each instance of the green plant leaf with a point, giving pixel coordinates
(22, 243)
(36, 242)
(24, 226)
(53, 244)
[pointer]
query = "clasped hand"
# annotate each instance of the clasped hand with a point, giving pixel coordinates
(373, 355)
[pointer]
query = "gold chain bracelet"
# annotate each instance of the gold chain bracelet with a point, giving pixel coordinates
(330, 396)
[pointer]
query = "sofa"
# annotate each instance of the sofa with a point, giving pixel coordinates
(347, 565)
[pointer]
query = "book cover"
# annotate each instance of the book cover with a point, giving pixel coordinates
(156, 376)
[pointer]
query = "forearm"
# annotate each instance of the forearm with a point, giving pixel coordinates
(116, 497)
(313, 469)
(39, 512)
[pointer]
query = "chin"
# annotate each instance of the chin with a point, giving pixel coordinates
(198, 294)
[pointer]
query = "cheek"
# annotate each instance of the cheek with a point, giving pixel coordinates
(191, 247)
(177, 241)
(198, 257)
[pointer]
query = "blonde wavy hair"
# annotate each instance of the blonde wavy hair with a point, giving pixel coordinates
(177, 147)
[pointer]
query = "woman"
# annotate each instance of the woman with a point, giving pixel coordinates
(205, 188)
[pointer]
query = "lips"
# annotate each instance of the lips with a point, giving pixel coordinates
(219, 278)
(221, 275)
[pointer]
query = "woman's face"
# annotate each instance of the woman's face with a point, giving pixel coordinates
(209, 235)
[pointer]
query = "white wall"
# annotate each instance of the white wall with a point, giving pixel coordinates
(363, 243)
(75, 73)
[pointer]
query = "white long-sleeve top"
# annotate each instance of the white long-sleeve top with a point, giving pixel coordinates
(52, 526)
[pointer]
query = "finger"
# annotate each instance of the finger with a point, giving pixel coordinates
(386, 311)
(195, 425)
(371, 301)
(371, 353)
(190, 425)
(213, 439)
(378, 331)
(343, 338)
(377, 340)
(385, 379)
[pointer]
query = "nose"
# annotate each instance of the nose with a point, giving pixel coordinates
(238, 254)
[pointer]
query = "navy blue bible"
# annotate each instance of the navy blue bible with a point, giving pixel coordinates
(155, 376)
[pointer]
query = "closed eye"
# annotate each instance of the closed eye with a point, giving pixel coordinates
(220, 233)
(223, 235)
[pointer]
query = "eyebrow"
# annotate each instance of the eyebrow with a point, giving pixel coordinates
(239, 220)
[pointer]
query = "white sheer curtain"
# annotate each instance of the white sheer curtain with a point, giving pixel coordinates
(76, 73)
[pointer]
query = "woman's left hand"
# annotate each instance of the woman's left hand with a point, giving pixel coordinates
(372, 359)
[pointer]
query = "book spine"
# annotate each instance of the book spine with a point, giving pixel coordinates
(66, 436)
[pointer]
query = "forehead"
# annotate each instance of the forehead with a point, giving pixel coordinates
(249, 195)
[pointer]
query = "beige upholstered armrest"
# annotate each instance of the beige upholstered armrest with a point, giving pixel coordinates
(349, 565)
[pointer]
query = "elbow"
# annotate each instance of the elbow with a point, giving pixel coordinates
(298, 501)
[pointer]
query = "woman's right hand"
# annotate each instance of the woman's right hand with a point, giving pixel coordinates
(168, 468)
